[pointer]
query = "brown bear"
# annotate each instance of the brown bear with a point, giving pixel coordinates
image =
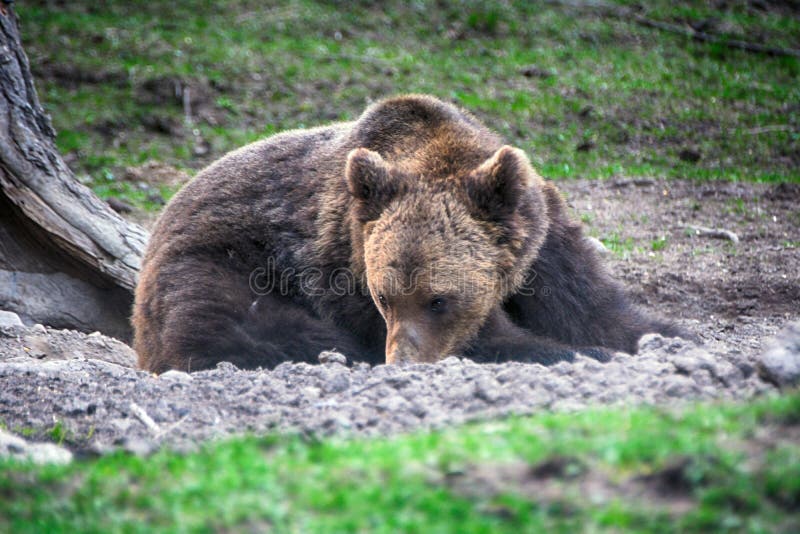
(408, 235)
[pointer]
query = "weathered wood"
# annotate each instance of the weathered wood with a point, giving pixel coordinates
(80, 235)
(43, 285)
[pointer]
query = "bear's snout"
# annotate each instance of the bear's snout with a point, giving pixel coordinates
(404, 343)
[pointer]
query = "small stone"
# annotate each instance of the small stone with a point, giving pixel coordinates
(79, 407)
(586, 390)
(488, 390)
(336, 422)
(728, 373)
(227, 367)
(97, 342)
(649, 342)
(459, 392)
(588, 365)
(12, 446)
(176, 376)
(37, 346)
(508, 375)
(329, 356)
(9, 319)
(311, 393)
(337, 383)
(693, 361)
(539, 397)
(392, 403)
(418, 409)
(780, 361)
(137, 446)
(704, 378)
(562, 368)
(662, 345)
(39, 328)
(679, 386)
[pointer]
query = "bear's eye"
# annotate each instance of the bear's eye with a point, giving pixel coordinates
(366, 192)
(437, 305)
(382, 300)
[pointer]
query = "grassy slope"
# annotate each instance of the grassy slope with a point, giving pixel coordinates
(637, 96)
(739, 471)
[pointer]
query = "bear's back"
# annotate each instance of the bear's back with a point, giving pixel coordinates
(263, 196)
(267, 199)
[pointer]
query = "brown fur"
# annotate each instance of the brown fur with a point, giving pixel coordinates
(414, 194)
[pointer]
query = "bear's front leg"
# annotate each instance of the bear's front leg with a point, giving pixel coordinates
(500, 340)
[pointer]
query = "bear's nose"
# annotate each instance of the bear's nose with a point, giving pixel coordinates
(403, 344)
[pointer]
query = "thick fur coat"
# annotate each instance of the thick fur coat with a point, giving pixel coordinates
(409, 234)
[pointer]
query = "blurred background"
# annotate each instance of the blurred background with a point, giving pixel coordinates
(143, 94)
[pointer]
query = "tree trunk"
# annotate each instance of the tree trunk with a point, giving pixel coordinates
(66, 259)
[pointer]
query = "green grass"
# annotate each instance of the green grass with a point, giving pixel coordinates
(659, 243)
(58, 433)
(741, 473)
(619, 246)
(641, 96)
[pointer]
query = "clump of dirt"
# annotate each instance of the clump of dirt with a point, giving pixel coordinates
(559, 489)
(149, 178)
(73, 76)
(195, 96)
(564, 482)
(556, 482)
(154, 174)
(40, 343)
(163, 124)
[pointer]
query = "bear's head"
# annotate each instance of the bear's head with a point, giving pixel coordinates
(440, 251)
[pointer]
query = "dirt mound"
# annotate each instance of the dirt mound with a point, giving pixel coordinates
(101, 405)
(732, 295)
(156, 174)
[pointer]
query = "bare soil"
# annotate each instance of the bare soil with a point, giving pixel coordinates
(731, 295)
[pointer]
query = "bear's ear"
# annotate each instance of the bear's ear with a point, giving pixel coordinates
(369, 181)
(497, 185)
